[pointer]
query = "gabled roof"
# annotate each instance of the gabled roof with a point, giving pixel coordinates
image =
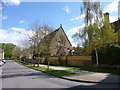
(49, 37)
(52, 34)
(66, 35)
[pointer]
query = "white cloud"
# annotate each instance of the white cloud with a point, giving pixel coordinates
(14, 35)
(4, 17)
(18, 29)
(112, 7)
(1, 7)
(113, 18)
(78, 17)
(76, 29)
(119, 9)
(72, 41)
(11, 2)
(75, 43)
(22, 21)
(72, 32)
(67, 9)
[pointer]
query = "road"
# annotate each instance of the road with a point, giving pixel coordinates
(19, 76)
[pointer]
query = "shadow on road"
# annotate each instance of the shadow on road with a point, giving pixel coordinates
(12, 70)
(21, 75)
(108, 82)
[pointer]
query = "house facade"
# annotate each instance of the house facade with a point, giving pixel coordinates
(58, 42)
(1, 54)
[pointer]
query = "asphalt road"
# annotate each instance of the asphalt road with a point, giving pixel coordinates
(19, 76)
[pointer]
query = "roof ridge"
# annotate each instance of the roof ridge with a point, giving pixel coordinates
(66, 35)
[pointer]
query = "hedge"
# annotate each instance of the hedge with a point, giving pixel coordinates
(109, 54)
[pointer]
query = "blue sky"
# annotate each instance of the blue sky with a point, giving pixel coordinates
(51, 13)
(17, 16)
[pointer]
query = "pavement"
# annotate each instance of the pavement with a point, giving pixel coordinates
(87, 76)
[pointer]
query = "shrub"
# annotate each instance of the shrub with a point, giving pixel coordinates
(109, 54)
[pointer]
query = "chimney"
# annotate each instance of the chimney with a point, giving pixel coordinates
(106, 17)
(60, 25)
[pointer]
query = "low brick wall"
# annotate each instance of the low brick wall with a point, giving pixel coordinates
(70, 60)
(53, 60)
(79, 60)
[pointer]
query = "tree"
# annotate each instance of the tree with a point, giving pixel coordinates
(8, 49)
(97, 30)
(17, 52)
(107, 34)
(39, 32)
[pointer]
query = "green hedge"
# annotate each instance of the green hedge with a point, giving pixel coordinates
(109, 54)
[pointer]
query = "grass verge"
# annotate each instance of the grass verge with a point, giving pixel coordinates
(92, 69)
(51, 71)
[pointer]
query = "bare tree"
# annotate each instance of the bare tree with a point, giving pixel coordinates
(17, 53)
(38, 33)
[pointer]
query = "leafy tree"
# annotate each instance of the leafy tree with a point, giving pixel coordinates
(97, 30)
(8, 49)
(39, 32)
(17, 52)
(107, 32)
(77, 48)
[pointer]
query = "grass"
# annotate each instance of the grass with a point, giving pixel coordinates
(51, 71)
(93, 69)
(101, 70)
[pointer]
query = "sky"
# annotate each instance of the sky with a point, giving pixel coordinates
(16, 17)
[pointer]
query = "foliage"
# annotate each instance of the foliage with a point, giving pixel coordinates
(8, 49)
(93, 18)
(77, 48)
(97, 30)
(107, 33)
(109, 54)
(45, 51)
(17, 52)
(39, 32)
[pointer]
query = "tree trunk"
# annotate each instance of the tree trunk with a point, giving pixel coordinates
(96, 53)
(38, 61)
(47, 62)
(66, 61)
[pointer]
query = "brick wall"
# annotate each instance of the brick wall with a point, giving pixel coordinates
(69, 60)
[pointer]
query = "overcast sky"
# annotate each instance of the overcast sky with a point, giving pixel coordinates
(17, 16)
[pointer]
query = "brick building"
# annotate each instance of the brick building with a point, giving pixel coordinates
(58, 42)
